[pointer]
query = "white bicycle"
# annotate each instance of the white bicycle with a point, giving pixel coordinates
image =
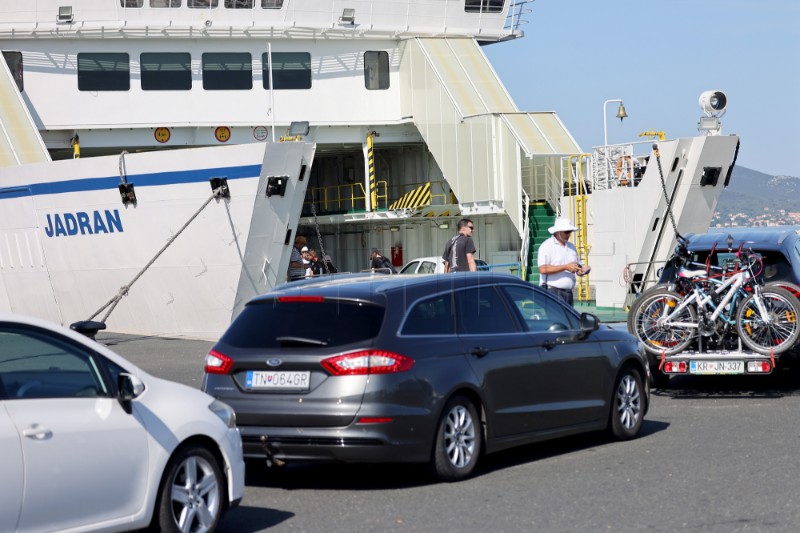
(719, 306)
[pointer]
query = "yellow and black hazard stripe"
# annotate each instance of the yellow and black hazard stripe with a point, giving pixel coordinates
(373, 189)
(417, 198)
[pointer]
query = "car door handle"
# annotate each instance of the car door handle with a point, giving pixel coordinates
(37, 432)
(479, 351)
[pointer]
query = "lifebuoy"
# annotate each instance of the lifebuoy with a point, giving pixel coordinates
(624, 170)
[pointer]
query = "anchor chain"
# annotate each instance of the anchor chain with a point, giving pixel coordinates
(666, 196)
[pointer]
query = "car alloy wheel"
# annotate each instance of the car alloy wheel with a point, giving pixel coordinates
(458, 440)
(192, 493)
(627, 410)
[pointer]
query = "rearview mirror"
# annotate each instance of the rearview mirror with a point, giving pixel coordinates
(128, 388)
(589, 323)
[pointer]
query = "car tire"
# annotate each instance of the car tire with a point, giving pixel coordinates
(658, 379)
(457, 446)
(192, 489)
(627, 405)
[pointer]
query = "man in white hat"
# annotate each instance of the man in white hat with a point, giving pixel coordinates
(558, 261)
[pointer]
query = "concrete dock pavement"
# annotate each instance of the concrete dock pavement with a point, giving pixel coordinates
(176, 359)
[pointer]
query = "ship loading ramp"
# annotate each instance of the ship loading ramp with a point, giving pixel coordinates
(20, 142)
(495, 158)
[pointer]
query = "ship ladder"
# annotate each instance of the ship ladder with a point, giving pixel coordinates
(578, 201)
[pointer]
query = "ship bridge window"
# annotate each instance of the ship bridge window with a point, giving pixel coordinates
(166, 71)
(202, 3)
(483, 6)
(14, 62)
(376, 70)
(227, 71)
(238, 4)
(290, 70)
(104, 72)
(165, 3)
(271, 4)
(131, 3)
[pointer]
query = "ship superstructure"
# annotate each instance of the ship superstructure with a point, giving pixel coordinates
(413, 128)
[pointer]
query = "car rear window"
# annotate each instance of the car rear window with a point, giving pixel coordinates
(326, 322)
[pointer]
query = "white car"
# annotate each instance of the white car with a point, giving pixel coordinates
(90, 442)
(433, 265)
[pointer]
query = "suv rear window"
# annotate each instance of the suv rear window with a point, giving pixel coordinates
(326, 322)
(775, 265)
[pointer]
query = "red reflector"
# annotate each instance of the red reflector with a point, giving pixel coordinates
(287, 299)
(217, 363)
(367, 362)
(374, 420)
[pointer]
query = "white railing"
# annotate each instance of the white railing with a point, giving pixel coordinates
(392, 17)
(619, 165)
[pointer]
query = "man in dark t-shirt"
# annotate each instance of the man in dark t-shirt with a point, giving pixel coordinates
(459, 253)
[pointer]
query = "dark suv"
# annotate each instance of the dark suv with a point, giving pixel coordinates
(779, 248)
(431, 369)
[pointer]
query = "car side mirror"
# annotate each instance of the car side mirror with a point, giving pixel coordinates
(589, 323)
(128, 388)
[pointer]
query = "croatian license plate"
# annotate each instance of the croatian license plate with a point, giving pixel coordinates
(278, 380)
(716, 367)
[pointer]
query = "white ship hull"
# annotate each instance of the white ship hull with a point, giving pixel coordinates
(68, 244)
(413, 130)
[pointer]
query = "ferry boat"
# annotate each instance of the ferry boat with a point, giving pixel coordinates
(379, 124)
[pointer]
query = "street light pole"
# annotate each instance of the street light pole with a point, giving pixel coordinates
(620, 115)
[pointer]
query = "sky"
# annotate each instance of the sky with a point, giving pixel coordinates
(658, 57)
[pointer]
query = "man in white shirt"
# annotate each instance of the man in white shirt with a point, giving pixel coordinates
(558, 261)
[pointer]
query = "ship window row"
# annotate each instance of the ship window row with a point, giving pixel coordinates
(470, 6)
(205, 4)
(221, 71)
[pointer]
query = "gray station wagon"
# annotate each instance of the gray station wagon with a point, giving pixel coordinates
(433, 369)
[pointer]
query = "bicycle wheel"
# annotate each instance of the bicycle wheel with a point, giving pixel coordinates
(657, 338)
(779, 332)
(787, 285)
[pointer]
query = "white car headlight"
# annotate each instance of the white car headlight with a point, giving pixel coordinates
(224, 412)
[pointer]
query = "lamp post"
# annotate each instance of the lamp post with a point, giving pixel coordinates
(621, 114)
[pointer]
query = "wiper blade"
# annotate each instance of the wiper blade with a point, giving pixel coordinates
(301, 340)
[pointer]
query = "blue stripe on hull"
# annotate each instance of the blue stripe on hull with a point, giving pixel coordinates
(140, 180)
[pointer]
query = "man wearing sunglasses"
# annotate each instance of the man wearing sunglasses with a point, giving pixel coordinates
(558, 261)
(459, 253)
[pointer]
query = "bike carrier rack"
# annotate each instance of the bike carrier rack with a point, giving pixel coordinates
(696, 362)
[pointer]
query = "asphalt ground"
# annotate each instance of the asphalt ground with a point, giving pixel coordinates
(716, 454)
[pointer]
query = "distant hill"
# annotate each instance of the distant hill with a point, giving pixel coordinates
(755, 198)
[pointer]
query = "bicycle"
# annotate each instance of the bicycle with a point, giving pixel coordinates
(706, 305)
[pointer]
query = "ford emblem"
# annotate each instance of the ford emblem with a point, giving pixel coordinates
(274, 362)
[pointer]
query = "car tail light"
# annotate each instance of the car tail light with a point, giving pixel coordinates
(676, 367)
(759, 367)
(367, 362)
(217, 363)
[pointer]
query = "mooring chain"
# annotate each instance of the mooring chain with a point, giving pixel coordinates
(319, 236)
(123, 291)
(664, 189)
